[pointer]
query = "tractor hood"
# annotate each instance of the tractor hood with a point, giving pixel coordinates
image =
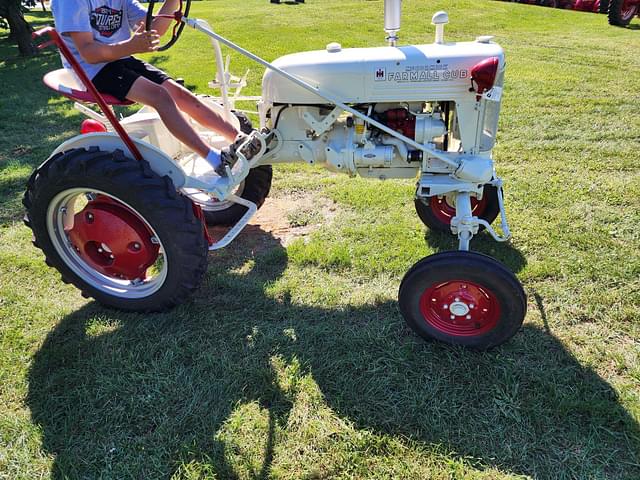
(381, 74)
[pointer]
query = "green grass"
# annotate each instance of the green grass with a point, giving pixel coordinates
(295, 362)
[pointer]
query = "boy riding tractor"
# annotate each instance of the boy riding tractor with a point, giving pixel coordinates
(122, 209)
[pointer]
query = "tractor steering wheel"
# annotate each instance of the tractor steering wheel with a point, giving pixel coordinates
(177, 16)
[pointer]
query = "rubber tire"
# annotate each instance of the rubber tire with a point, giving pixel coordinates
(155, 198)
(615, 14)
(473, 267)
(604, 6)
(491, 211)
(255, 189)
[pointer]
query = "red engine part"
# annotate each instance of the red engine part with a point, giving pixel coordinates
(400, 120)
(113, 240)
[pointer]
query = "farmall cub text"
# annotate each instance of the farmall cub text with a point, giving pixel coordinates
(121, 210)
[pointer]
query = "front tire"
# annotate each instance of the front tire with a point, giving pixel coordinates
(116, 230)
(437, 212)
(462, 298)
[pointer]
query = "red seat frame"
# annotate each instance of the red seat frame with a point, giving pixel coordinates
(88, 95)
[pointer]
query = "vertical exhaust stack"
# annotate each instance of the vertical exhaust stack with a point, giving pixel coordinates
(392, 14)
(440, 19)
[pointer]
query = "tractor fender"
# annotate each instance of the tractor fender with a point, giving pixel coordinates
(159, 162)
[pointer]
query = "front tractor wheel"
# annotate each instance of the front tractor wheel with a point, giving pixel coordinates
(462, 298)
(116, 230)
(437, 212)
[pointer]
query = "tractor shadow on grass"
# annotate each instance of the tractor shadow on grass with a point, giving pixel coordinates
(243, 383)
(481, 243)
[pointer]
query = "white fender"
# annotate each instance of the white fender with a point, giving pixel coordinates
(160, 163)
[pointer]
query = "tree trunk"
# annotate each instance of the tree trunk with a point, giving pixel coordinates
(20, 30)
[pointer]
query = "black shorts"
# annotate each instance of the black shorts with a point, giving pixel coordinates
(116, 78)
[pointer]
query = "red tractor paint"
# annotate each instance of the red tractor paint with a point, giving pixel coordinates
(587, 5)
(91, 126)
(460, 307)
(113, 240)
(483, 75)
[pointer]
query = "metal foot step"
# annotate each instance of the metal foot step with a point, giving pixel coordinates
(252, 208)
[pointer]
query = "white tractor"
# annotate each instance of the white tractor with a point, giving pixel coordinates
(122, 209)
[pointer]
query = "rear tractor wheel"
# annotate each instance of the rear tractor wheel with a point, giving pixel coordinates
(116, 230)
(462, 298)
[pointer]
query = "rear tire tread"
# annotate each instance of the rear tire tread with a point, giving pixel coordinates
(116, 170)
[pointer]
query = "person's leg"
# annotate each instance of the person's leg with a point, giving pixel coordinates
(199, 111)
(148, 93)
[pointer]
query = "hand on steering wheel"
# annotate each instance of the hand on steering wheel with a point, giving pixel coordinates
(177, 16)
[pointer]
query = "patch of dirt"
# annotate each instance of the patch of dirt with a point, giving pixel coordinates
(282, 220)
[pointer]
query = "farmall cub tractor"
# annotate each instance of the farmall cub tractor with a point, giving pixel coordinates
(121, 210)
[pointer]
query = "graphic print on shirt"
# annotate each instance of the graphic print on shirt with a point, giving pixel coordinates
(106, 20)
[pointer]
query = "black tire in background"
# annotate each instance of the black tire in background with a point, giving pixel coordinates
(254, 188)
(128, 184)
(488, 211)
(617, 16)
(487, 299)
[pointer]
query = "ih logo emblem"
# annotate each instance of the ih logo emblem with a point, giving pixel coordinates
(381, 74)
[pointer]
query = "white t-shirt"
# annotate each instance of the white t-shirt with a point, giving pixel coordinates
(110, 21)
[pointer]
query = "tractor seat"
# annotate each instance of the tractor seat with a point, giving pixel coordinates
(65, 82)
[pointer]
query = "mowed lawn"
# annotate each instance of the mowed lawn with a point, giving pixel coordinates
(294, 361)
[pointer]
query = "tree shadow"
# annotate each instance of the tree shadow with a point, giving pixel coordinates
(32, 120)
(141, 396)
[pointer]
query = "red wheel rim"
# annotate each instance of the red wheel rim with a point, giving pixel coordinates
(112, 239)
(460, 308)
(444, 211)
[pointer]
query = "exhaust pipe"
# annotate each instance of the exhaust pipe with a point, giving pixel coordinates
(392, 14)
